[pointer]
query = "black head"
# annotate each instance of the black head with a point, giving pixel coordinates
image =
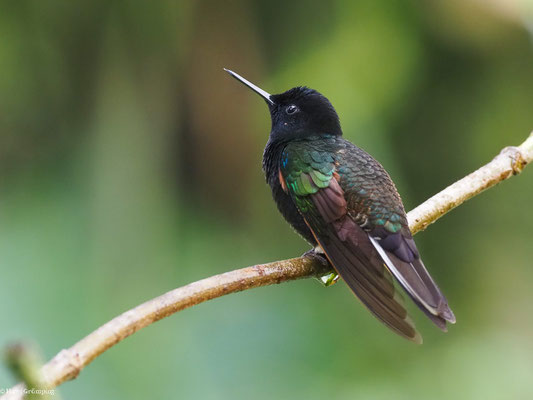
(298, 113)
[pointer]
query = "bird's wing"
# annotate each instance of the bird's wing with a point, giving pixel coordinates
(363, 259)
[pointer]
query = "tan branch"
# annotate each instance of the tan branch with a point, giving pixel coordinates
(511, 161)
(68, 363)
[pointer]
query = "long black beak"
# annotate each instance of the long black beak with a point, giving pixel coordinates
(256, 89)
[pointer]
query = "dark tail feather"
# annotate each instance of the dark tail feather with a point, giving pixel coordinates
(417, 282)
(438, 321)
(358, 263)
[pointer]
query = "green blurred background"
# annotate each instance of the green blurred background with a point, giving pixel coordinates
(130, 164)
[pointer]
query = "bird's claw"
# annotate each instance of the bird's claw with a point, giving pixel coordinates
(329, 278)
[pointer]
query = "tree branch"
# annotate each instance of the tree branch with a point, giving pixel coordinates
(511, 161)
(67, 364)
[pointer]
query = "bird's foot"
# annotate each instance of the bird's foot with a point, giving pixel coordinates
(328, 278)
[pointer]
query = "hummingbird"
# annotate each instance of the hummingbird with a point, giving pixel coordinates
(343, 202)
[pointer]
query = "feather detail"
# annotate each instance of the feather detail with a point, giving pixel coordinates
(417, 282)
(366, 276)
(282, 181)
(355, 214)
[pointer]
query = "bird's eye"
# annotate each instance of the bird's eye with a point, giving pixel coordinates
(292, 109)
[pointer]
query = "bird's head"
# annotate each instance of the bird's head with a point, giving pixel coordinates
(298, 113)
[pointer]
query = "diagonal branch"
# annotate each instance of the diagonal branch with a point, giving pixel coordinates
(67, 364)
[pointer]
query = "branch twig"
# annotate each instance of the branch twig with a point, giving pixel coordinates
(67, 364)
(24, 361)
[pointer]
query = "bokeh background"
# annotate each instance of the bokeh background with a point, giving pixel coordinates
(130, 164)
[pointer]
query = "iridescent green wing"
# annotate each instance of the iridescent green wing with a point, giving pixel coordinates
(305, 171)
(310, 176)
